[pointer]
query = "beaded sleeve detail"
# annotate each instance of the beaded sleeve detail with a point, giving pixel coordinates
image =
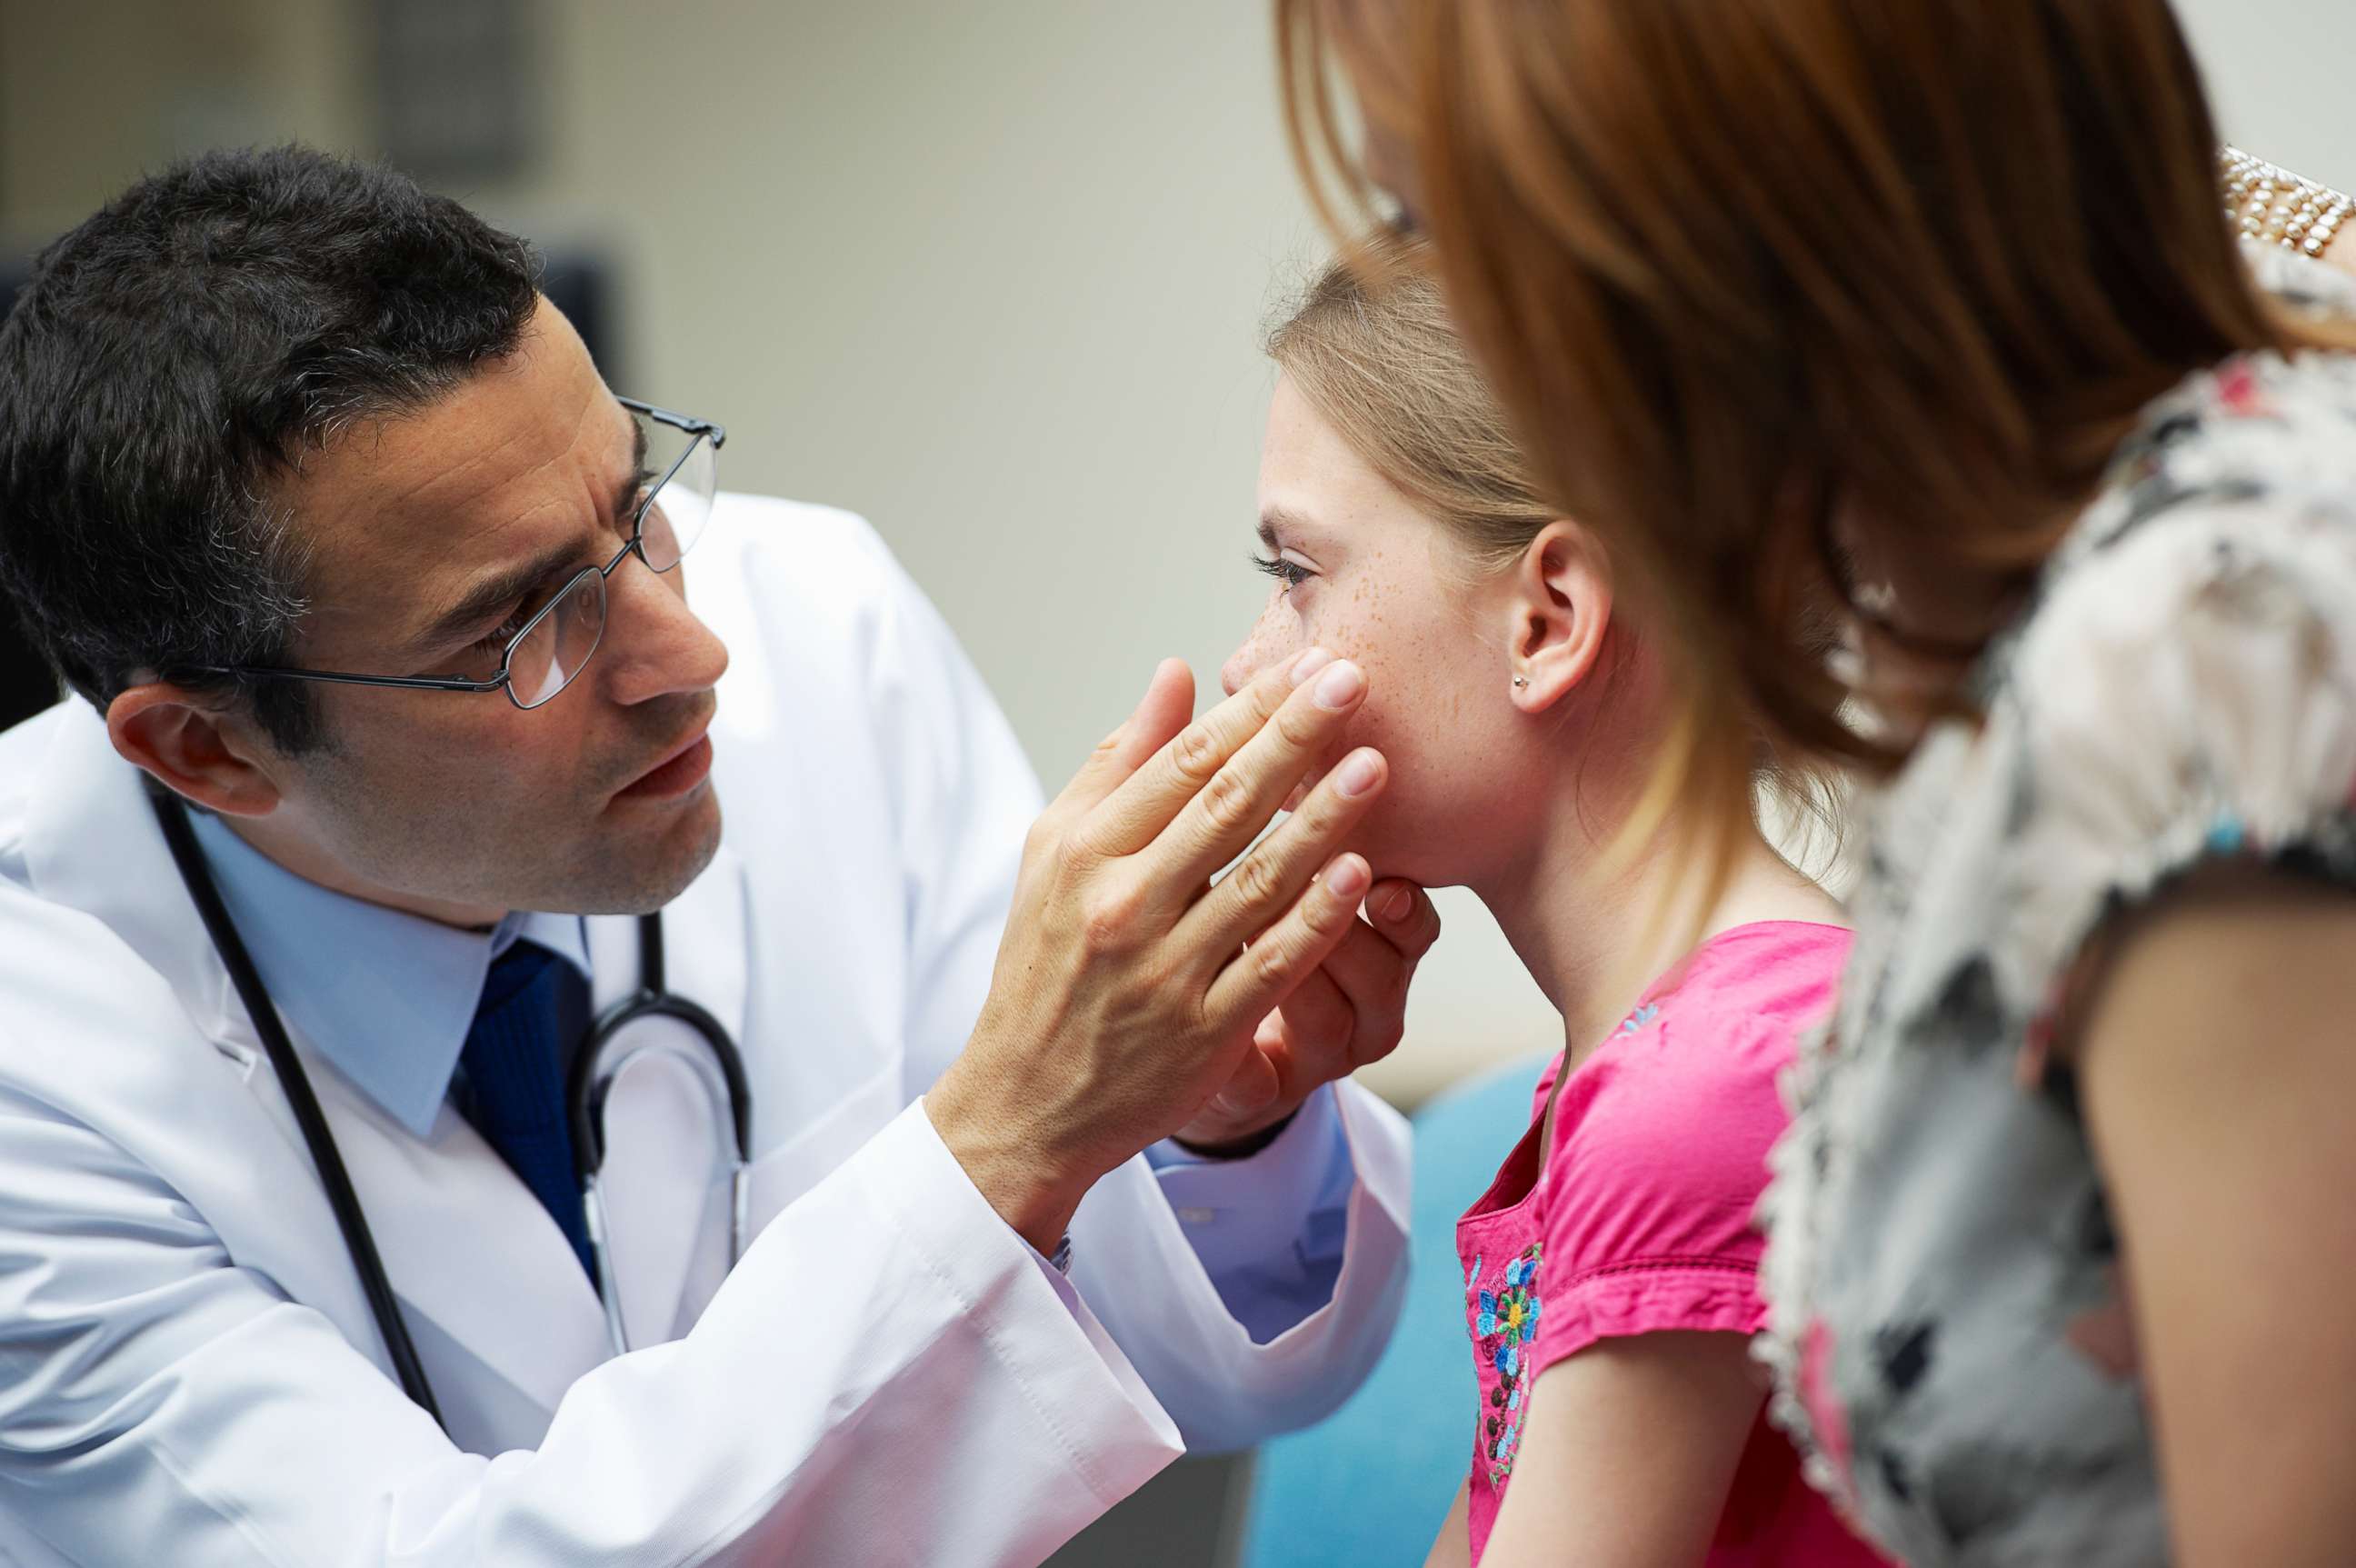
(2269, 204)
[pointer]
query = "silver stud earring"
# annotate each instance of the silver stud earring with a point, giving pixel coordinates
(1520, 681)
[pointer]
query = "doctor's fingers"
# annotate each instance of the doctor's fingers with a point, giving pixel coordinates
(1221, 822)
(1239, 760)
(1259, 978)
(1403, 914)
(1252, 1086)
(1309, 1034)
(1371, 968)
(1267, 884)
(1161, 712)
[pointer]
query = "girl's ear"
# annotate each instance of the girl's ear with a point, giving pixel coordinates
(1559, 605)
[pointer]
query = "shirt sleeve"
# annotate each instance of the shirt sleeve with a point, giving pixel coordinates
(1649, 1195)
(1269, 1227)
(1225, 1385)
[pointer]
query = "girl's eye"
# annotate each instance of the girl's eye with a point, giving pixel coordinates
(1290, 574)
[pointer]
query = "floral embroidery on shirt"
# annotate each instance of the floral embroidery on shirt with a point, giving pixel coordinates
(1502, 1322)
(1640, 1017)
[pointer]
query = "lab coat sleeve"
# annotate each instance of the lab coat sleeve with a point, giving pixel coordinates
(888, 1376)
(1265, 1328)
(1268, 1344)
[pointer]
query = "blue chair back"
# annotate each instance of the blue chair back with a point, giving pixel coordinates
(1370, 1486)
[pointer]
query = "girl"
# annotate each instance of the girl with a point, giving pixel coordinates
(1930, 306)
(1609, 1284)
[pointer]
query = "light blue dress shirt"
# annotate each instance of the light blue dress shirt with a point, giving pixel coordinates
(1273, 1263)
(387, 998)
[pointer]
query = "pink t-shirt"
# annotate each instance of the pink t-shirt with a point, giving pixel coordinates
(1641, 1221)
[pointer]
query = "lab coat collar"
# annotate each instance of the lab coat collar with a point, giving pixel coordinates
(92, 844)
(464, 1242)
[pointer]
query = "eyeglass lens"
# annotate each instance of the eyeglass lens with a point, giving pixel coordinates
(556, 646)
(675, 518)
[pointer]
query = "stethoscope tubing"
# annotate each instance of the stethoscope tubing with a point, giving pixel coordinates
(586, 1089)
(358, 1239)
(592, 1075)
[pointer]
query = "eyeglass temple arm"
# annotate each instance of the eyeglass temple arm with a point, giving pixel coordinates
(345, 678)
(687, 422)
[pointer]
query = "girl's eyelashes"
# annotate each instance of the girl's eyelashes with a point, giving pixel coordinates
(1290, 574)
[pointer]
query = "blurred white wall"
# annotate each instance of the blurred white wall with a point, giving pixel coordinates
(2276, 70)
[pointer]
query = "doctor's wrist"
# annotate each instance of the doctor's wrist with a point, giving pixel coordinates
(1037, 1200)
(1240, 1146)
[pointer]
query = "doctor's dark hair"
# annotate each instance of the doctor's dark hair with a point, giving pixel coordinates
(169, 364)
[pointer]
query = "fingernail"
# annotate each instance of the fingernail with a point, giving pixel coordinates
(1397, 903)
(1308, 664)
(1348, 878)
(1357, 775)
(1339, 687)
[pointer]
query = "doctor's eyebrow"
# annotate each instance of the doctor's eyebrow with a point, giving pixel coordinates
(496, 594)
(625, 494)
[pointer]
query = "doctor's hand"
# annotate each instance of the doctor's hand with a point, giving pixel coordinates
(1129, 986)
(1351, 1012)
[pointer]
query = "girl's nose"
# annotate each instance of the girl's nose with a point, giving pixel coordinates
(1248, 661)
(1234, 673)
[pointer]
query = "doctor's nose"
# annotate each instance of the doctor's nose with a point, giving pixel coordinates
(658, 646)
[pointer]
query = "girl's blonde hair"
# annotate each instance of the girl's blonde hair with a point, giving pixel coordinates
(1369, 344)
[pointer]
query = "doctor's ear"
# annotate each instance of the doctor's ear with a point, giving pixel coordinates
(1558, 602)
(197, 744)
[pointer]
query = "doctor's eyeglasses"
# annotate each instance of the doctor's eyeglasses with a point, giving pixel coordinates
(679, 474)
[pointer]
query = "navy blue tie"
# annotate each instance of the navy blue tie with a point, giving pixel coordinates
(534, 1008)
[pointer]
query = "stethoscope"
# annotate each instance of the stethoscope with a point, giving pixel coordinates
(599, 1062)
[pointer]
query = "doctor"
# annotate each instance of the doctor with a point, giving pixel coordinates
(390, 720)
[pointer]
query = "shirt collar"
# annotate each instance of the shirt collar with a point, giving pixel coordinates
(387, 997)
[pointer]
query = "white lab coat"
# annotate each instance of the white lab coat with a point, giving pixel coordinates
(189, 1374)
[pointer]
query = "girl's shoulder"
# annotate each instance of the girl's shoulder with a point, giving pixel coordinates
(1679, 1106)
(1737, 1002)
